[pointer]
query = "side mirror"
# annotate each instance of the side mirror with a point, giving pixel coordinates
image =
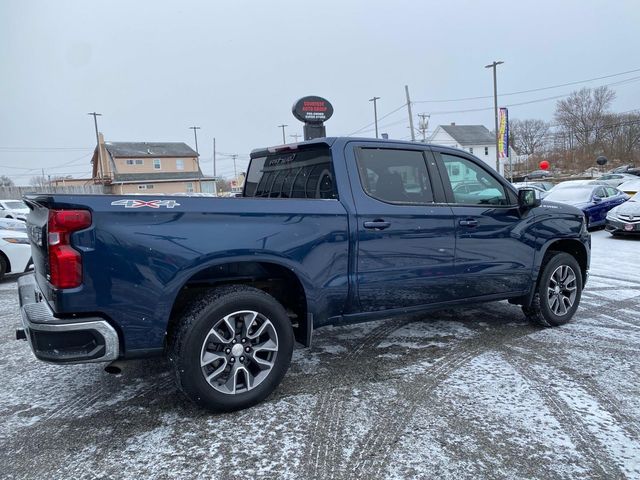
(597, 199)
(527, 198)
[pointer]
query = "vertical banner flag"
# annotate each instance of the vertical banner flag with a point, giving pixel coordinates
(503, 130)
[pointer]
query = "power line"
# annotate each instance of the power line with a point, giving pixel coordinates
(379, 118)
(530, 90)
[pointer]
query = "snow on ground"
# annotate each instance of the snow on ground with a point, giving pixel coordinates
(472, 392)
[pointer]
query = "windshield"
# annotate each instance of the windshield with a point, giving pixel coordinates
(570, 194)
(15, 205)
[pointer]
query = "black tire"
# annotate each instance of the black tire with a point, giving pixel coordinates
(3, 266)
(540, 310)
(186, 345)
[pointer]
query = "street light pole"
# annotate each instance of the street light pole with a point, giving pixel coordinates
(95, 122)
(284, 140)
(493, 65)
(195, 134)
(375, 112)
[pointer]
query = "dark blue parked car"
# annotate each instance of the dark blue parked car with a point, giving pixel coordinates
(594, 200)
(329, 231)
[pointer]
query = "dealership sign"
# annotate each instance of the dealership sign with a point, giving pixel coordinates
(312, 109)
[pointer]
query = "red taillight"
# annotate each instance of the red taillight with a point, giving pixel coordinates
(65, 263)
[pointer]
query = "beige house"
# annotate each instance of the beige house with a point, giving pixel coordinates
(149, 168)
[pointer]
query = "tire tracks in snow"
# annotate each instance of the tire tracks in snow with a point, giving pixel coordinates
(324, 449)
(370, 455)
(571, 422)
(369, 459)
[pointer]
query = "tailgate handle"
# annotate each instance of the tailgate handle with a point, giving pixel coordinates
(377, 224)
(468, 222)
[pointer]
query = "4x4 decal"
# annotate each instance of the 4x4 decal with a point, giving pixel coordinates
(131, 203)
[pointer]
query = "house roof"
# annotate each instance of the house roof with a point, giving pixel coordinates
(149, 149)
(470, 134)
(156, 176)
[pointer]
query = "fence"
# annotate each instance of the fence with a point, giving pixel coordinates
(16, 193)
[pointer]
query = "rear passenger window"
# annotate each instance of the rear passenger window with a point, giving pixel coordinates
(292, 174)
(394, 176)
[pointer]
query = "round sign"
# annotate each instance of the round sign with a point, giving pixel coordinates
(544, 165)
(601, 160)
(312, 109)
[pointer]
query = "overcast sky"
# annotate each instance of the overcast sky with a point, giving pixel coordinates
(234, 68)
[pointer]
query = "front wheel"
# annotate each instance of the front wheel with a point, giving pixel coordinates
(558, 291)
(232, 348)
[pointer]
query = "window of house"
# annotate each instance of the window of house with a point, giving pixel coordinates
(179, 164)
(129, 162)
(148, 186)
(189, 187)
(476, 187)
(486, 150)
(394, 176)
(139, 162)
(471, 150)
(156, 164)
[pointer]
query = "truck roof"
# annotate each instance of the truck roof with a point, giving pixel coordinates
(329, 141)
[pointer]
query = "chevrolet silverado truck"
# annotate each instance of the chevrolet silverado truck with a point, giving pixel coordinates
(328, 231)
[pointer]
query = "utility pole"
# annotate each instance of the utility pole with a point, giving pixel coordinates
(284, 140)
(235, 172)
(95, 122)
(214, 158)
(375, 112)
(295, 137)
(195, 134)
(493, 65)
(424, 124)
(413, 132)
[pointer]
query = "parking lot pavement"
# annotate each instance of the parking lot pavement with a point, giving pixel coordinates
(465, 393)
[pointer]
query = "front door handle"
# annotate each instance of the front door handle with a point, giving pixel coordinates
(377, 224)
(468, 222)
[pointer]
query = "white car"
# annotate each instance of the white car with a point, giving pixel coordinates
(14, 209)
(615, 179)
(631, 187)
(15, 249)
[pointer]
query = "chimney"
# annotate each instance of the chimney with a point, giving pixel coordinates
(453, 124)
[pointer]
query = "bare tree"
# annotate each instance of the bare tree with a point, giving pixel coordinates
(622, 137)
(529, 137)
(6, 181)
(37, 181)
(583, 114)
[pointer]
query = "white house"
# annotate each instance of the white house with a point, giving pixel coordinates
(475, 139)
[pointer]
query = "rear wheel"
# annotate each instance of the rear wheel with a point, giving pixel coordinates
(231, 348)
(558, 291)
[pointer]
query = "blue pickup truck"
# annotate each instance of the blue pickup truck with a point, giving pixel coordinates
(329, 231)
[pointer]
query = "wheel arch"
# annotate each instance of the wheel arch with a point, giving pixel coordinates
(275, 277)
(573, 247)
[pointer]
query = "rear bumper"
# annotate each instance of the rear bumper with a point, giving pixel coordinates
(55, 340)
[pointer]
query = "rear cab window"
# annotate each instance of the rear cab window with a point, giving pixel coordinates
(304, 173)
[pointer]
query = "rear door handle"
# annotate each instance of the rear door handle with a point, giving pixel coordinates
(377, 225)
(468, 222)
